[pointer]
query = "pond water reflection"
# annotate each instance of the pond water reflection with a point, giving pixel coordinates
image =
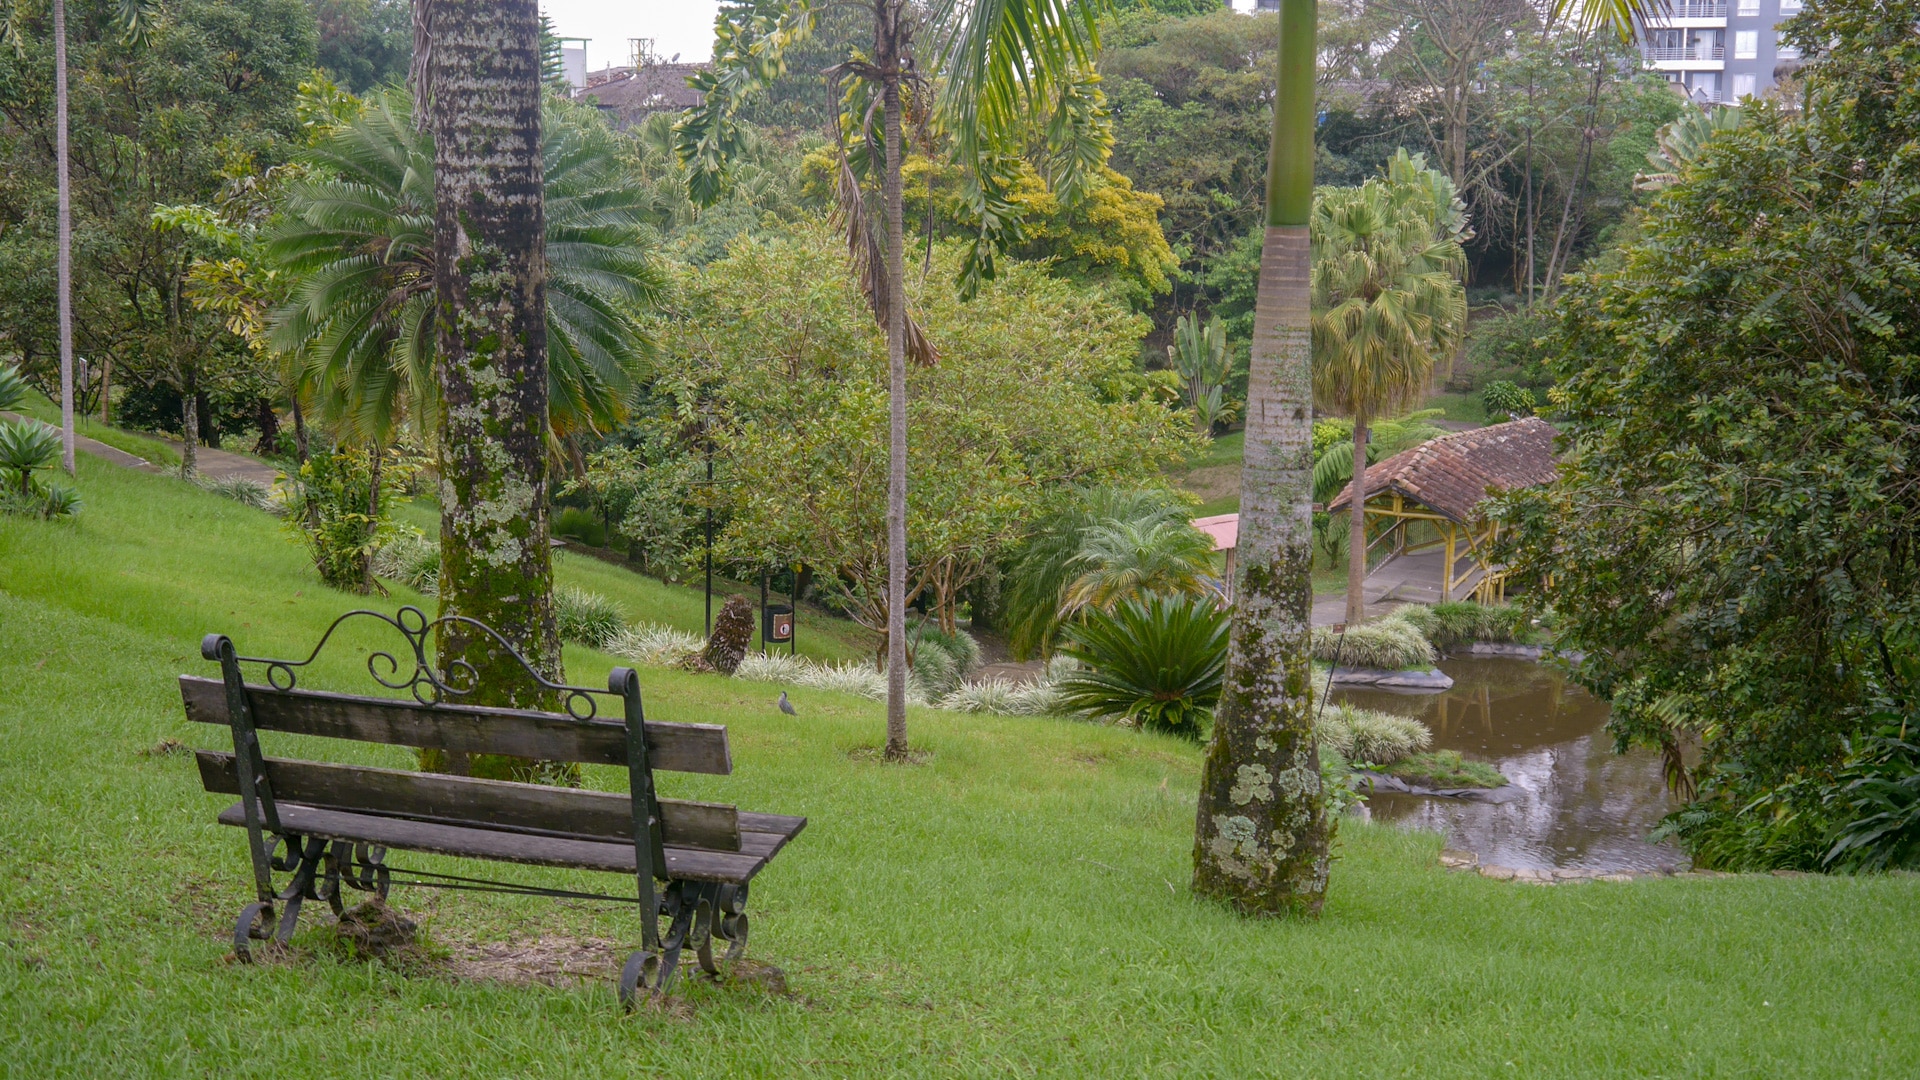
(1573, 802)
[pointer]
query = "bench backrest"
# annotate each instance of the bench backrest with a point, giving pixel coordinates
(639, 817)
(462, 729)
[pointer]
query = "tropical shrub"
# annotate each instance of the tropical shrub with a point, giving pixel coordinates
(1369, 737)
(582, 524)
(24, 447)
(1877, 796)
(942, 661)
(1045, 562)
(331, 506)
(411, 558)
(1391, 643)
(1157, 661)
(587, 618)
(1506, 401)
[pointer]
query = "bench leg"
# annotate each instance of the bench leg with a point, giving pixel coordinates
(303, 859)
(701, 911)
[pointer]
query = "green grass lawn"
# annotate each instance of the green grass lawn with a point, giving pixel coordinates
(1016, 906)
(1467, 408)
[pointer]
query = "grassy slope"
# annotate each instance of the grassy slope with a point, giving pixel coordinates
(159, 453)
(1018, 906)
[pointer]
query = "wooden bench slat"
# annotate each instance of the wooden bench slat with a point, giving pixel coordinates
(570, 812)
(400, 834)
(466, 729)
(766, 834)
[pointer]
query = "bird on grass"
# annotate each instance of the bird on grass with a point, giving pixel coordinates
(785, 705)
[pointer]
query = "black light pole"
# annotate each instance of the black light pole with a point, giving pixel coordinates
(706, 427)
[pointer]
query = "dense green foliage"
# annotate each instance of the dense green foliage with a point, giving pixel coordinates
(776, 341)
(356, 248)
(333, 504)
(1735, 543)
(194, 112)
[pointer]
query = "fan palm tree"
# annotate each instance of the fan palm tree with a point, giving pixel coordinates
(358, 244)
(1009, 72)
(1388, 307)
(1120, 560)
(1269, 856)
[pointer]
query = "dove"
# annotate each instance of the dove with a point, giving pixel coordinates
(785, 705)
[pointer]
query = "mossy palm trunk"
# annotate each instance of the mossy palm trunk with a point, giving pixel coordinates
(1260, 841)
(489, 284)
(1357, 528)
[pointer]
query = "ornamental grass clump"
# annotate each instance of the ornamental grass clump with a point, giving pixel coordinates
(654, 644)
(1461, 622)
(1369, 737)
(1390, 644)
(411, 558)
(244, 490)
(587, 618)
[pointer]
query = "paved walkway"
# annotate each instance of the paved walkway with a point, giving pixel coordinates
(1408, 579)
(220, 464)
(212, 464)
(112, 455)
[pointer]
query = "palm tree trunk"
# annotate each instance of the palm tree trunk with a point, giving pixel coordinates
(1357, 528)
(189, 427)
(490, 289)
(888, 39)
(1261, 834)
(66, 232)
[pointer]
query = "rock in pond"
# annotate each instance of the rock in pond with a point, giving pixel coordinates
(1432, 679)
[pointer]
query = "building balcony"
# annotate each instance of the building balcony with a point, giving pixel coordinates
(1687, 9)
(1684, 52)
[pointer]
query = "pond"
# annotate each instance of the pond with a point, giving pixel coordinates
(1572, 802)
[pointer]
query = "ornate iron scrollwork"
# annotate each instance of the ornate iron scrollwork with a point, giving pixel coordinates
(318, 869)
(699, 912)
(428, 684)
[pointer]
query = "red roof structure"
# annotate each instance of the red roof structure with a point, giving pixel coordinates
(1453, 473)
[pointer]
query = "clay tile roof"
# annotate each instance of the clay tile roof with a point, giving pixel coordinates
(1451, 474)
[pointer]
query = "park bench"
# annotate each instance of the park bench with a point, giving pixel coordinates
(329, 826)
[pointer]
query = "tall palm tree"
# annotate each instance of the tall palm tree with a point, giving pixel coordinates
(1006, 70)
(1388, 306)
(357, 245)
(65, 213)
(1261, 833)
(490, 352)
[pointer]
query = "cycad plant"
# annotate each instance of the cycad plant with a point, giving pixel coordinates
(1156, 660)
(358, 244)
(1388, 308)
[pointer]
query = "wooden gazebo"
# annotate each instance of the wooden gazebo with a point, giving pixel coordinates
(1442, 482)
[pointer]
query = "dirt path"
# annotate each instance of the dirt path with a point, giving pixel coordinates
(220, 464)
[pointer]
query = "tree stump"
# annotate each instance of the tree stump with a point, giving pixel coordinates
(732, 633)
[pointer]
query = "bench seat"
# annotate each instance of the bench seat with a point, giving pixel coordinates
(759, 841)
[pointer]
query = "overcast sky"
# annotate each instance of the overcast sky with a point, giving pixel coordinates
(676, 26)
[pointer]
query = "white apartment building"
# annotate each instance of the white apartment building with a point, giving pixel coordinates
(1721, 51)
